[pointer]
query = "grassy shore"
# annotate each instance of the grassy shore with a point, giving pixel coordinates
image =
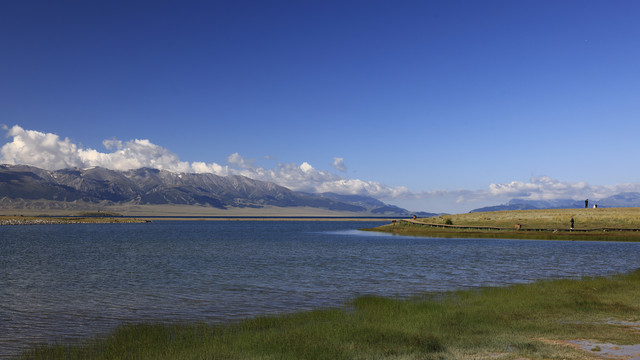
(181, 211)
(616, 224)
(559, 319)
(45, 220)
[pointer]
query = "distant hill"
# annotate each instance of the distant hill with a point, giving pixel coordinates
(24, 186)
(375, 206)
(626, 199)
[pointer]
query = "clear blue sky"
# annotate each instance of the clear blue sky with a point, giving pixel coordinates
(449, 96)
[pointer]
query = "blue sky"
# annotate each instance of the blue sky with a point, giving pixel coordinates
(430, 105)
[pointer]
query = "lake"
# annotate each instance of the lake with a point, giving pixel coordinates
(69, 282)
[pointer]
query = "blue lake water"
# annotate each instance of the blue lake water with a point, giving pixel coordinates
(69, 282)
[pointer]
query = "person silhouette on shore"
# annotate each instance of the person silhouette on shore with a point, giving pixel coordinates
(586, 203)
(572, 223)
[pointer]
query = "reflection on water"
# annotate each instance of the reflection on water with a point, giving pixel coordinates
(64, 282)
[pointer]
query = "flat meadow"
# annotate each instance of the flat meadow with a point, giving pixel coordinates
(601, 224)
(585, 218)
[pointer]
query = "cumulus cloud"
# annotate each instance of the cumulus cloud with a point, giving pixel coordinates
(37, 148)
(305, 177)
(547, 188)
(537, 188)
(338, 164)
(50, 151)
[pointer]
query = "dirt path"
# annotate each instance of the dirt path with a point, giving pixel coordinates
(471, 227)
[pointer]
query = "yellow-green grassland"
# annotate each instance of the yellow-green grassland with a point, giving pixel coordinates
(615, 224)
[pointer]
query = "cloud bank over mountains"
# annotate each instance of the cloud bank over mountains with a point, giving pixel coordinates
(49, 151)
(546, 188)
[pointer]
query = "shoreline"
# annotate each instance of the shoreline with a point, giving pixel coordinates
(180, 211)
(54, 220)
(200, 213)
(603, 224)
(262, 218)
(18, 220)
(406, 228)
(591, 317)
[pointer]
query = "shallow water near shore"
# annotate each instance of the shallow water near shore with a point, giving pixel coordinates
(71, 282)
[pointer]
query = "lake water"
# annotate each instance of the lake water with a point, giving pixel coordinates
(69, 282)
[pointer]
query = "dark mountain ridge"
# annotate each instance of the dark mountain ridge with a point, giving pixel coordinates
(22, 185)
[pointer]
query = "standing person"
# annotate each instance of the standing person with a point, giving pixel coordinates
(572, 223)
(586, 203)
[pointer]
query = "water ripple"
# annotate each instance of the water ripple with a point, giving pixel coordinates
(65, 283)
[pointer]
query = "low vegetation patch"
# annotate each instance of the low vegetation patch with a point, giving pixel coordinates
(616, 224)
(48, 220)
(551, 218)
(533, 321)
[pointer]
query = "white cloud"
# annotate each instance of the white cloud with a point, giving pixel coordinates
(338, 164)
(239, 161)
(49, 151)
(37, 148)
(537, 188)
(112, 144)
(306, 168)
(546, 188)
(200, 167)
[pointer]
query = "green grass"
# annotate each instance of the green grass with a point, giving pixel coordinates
(521, 321)
(552, 218)
(556, 222)
(88, 219)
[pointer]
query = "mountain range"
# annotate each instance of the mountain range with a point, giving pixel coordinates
(625, 199)
(23, 186)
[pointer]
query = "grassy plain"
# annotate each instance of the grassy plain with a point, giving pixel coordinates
(554, 319)
(619, 224)
(551, 219)
(41, 220)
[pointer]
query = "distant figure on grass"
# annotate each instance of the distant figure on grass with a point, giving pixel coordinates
(586, 203)
(572, 223)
